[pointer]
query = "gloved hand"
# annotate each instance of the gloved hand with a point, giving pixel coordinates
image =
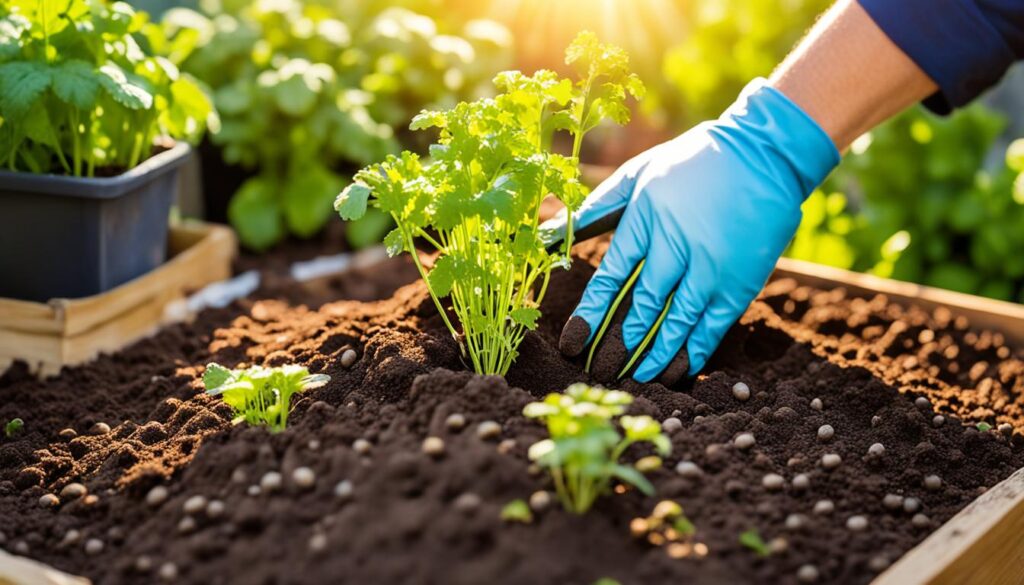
(709, 212)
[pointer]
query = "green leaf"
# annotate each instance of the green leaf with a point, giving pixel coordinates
(351, 203)
(13, 427)
(22, 83)
(443, 275)
(256, 215)
(633, 477)
(215, 375)
(517, 511)
(124, 91)
(307, 199)
(526, 316)
(752, 540)
(75, 83)
(394, 242)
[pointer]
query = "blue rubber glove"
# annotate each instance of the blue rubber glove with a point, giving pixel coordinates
(710, 211)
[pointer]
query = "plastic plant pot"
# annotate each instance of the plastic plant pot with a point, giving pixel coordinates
(70, 237)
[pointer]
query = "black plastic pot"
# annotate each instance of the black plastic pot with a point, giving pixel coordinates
(69, 237)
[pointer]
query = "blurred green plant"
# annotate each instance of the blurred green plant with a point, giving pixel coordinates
(79, 94)
(309, 89)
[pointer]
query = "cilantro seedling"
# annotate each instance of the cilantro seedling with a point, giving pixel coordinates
(79, 93)
(752, 540)
(477, 201)
(261, 395)
(584, 448)
(13, 427)
(517, 511)
(984, 427)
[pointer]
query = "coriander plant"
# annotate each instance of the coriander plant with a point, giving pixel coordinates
(13, 427)
(477, 200)
(79, 94)
(583, 451)
(261, 395)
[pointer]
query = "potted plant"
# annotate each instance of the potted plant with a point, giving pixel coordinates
(91, 137)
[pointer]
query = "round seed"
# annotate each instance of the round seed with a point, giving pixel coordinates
(348, 358)
(741, 391)
(100, 428)
(93, 547)
(671, 424)
(215, 509)
(433, 446)
(938, 420)
(186, 525)
(920, 521)
(303, 478)
(876, 420)
(932, 482)
(488, 430)
(817, 404)
(194, 505)
(796, 522)
(71, 537)
(807, 574)
(911, 505)
(876, 450)
(168, 571)
(361, 446)
(455, 422)
(1006, 429)
(824, 507)
(857, 523)
(143, 564)
(318, 541)
(801, 481)
(540, 500)
(744, 441)
(271, 481)
(344, 489)
(922, 403)
(831, 460)
(773, 482)
(879, 563)
(778, 545)
(253, 490)
(689, 469)
(506, 446)
(467, 502)
(892, 501)
(826, 432)
(72, 491)
(48, 501)
(239, 475)
(67, 434)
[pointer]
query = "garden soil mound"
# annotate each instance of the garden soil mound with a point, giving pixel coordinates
(417, 519)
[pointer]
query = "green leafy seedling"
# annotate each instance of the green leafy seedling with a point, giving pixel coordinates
(477, 202)
(984, 427)
(517, 511)
(752, 540)
(583, 450)
(259, 395)
(13, 427)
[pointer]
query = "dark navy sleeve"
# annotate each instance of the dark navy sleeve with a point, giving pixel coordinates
(965, 46)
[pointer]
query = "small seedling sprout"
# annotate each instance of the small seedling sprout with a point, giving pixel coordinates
(13, 427)
(584, 448)
(261, 395)
(984, 427)
(517, 511)
(752, 540)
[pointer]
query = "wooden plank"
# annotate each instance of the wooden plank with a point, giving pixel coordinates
(982, 545)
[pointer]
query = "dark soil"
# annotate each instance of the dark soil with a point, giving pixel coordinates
(410, 519)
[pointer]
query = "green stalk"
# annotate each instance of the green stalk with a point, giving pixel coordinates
(649, 337)
(611, 313)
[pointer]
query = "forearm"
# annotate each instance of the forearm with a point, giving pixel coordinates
(849, 76)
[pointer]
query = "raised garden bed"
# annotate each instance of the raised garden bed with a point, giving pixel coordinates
(408, 517)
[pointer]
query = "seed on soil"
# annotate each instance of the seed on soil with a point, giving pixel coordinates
(796, 522)
(348, 358)
(157, 496)
(876, 420)
(455, 422)
(433, 446)
(303, 478)
(318, 542)
(143, 564)
(824, 507)
(100, 428)
(773, 482)
(488, 430)
(467, 502)
(744, 441)
(70, 537)
(778, 545)
(1006, 429)
(698, 418)
(362, 446)
(817, 404)
(93, 547)
(253, 490)
(313, 444)
(922, 403)
(938, 420)
(932, 482)
(270, 482)
(801, 481)
(90, 499)
(186, 525)
(168, 571)
(344, 489)
(892, 502)
(876, 450)
(215, 509)
(807, 574)
(831, 460)
(920, 521)
(67, 434)
(689, 469)
(911, 505)
(540, 500)
(671, 424)
(194, 505)
(857, 523)
(21, 547)
(73, 490)
(506, 446)
(879, 563)
(48, 501)
(239, 475)
(741, 391)
(826, 432)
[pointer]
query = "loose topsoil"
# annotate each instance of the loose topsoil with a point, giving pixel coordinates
(413, 518)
